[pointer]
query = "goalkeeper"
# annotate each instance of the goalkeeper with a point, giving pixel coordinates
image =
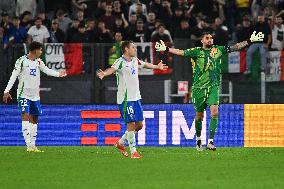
(206, 64)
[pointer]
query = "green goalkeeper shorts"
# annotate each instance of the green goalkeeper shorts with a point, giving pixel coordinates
(201, 98)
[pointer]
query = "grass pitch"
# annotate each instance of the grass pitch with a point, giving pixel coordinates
(170, 167)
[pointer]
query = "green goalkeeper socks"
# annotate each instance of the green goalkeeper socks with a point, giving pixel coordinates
(198, 127)
(213, 126)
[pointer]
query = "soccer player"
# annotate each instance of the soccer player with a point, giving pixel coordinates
(128, 94)
(206, 64)
(27, 70)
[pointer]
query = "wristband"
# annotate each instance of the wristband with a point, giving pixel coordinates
(167, 49)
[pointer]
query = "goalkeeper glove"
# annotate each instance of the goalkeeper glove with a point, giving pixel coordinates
(256, 37)
(161, 46)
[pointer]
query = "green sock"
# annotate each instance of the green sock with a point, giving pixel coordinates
(198, 127)
(213, 126)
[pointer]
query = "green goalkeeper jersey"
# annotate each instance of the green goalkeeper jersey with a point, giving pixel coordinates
(206, 65)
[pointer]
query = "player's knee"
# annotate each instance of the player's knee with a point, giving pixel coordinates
(214, 116)
(25, 117)
(34, 119)
(138, 127)
(131, 126)
(199, 117)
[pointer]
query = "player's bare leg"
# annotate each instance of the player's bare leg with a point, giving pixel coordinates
(198, 127)
(213, 126)
(26, 130)
(33, 132)
(138, 126)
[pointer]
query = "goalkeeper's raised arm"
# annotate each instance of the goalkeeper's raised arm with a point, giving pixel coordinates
(208, 43)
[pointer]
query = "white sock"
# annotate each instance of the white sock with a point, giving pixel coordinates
(33, 134)
(210, 140)
(131, 141)
(26, 132)
(123, 139)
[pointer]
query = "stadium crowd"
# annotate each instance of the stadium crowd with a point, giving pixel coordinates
(99, 21)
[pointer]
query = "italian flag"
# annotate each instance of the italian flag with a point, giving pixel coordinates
(234, 62)
(64, 56)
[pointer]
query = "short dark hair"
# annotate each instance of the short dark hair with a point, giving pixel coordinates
(125, 44)
(205, 33)
(35, 46)
(16, 18)
(38, 18)
(161, 25)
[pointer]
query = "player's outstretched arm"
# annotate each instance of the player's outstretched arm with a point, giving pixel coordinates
(51, 72)
(255, 37)
(159, 66)
(162, 47)
(101, 74)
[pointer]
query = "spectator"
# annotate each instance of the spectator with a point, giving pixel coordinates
(161, 35)
(125, 4)
(81, 36)
(115, 51)
(56, 34)
(81, 5)
(72, 30)
(183, 31)
(132, 22)
(26, 20)
(101, 9)
(139, 12)
(197, 31)
(117, 8)
(63, 20)
(166, 32)
(45, 21)
(15, 33)
(151, 22)
(245, 31)
(133, 8)
(8, 7)
(91, 29)
(80, 16)
(220, 32)
(278, 34)
(156, 7)
(5, 24)
(108, 18)
(260, 26)
(121, 25)
(140, 34)
(176, 19)
(104, 35)
(166, 13)
(26, 5)
(39, 32)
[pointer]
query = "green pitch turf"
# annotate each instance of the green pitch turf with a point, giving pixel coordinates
(104, 167)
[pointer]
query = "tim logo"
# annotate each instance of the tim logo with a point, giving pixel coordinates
(33, 72)
(100, 115)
